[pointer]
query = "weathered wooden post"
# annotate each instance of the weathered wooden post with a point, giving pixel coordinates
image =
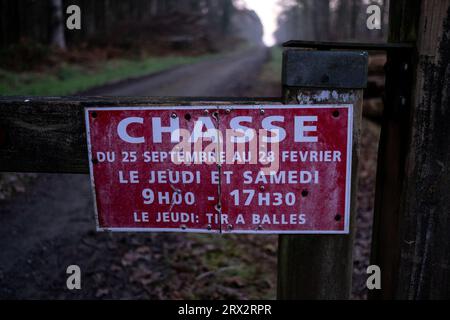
(48, 134)
(320, 266)
(412, 208)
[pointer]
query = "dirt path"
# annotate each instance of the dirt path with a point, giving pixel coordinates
(52, 226)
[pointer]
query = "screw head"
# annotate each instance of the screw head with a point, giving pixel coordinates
(230, 227)
(262, 188)
(228, 111)
(206, 111)
(174, 115)
(262, 111)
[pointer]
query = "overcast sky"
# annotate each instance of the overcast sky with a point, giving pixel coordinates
(268, 11)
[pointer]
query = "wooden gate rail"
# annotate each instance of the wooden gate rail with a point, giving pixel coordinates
(48, 134)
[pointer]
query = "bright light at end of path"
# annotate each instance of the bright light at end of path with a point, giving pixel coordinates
(268, 11)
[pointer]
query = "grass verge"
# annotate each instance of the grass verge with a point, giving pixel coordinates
(69, 79)
(269, 80)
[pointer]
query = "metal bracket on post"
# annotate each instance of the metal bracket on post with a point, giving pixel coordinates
(320, 266)
(392, 153)
(325, 69)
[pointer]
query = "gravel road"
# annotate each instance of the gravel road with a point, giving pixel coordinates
(228, 75)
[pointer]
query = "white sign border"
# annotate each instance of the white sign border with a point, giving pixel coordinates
(236, 107)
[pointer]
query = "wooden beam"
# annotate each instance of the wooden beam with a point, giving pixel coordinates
(49, 135)
(424, 266)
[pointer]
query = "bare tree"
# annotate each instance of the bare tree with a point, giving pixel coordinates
(58, 38)
(354, 15)
(321, 14)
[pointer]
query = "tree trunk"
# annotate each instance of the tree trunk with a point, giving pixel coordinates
(58, 38)
(227, 8)
(354, 14)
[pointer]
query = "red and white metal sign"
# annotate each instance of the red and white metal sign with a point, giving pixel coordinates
(222, 169)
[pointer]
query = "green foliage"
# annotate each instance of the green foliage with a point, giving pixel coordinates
(69, 79)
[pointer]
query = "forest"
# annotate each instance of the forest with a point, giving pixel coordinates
(329, 20)
(115, 21)
(112, 21)
(56, 84)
